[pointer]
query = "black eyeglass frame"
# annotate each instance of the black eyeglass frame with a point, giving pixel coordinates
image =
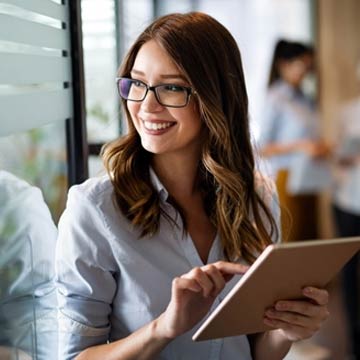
(189, 91)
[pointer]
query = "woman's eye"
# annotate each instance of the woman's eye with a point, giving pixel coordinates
(175, 88)
(138, 83)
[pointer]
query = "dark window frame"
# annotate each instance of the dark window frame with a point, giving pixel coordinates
(77, 147)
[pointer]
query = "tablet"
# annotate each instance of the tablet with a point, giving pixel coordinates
(279, 273)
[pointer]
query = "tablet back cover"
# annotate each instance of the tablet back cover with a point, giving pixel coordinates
(279, 273)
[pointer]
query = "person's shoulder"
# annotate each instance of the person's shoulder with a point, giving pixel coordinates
(17, 196)
(279, 92)
(12, 186)
(96, 189)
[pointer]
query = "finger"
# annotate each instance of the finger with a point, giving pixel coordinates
(294, 319)
(216, 277)
(180, 283)
(226, 267)
(292, 332)
(305, 308)
(320, 296)
(202, 279)
(280, 324)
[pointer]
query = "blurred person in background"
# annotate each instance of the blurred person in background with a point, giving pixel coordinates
(346, 206)
(28, 316)
(290, 128)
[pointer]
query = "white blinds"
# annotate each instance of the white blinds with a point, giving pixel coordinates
(35, 65)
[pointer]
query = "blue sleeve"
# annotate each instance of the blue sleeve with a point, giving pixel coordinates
(27, 293)
(269, 123)
(85, 276)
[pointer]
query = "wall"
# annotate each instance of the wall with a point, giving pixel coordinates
(338, 30)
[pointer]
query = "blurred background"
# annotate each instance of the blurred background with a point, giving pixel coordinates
(59, 105)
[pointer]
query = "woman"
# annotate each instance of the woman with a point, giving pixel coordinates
(145, 252)
(290, 130)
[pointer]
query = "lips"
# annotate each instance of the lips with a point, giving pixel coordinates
(157, 125)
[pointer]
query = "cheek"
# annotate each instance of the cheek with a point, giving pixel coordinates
(193, 112)
(132, 107)
(196, 117)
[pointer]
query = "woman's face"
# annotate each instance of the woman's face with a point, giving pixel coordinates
(294, 71)
(163, 130)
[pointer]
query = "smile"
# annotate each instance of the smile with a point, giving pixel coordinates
(158, 125)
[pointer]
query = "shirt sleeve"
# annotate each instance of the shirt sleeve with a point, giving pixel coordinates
(27, 252)
(269, 122)
(84, 275)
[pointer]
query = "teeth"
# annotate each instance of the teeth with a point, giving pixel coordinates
(156, 126)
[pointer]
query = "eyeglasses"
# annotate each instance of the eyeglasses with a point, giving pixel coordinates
(170, 95)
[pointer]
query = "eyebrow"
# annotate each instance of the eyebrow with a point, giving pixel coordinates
(163, 76)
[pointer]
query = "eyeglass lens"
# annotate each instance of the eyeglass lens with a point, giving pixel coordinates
(167, 94)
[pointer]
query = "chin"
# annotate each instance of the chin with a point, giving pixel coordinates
(153, 148)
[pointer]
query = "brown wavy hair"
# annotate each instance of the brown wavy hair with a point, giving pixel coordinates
(208, 56)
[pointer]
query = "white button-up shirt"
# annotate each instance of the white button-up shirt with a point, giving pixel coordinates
(27, 253)
(111, 282)
(288, 116)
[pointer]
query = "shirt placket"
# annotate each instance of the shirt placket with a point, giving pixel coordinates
(195, 260)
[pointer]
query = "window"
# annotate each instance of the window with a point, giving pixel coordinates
(40, 125)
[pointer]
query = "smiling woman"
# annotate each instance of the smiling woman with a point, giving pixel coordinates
(163, 118)
(147, 250)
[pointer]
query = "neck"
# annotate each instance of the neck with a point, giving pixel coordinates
(291, 84)
(178, 174)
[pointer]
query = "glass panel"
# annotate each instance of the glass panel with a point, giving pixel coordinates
(28, 32)
(43, 69)
(135, 15)
(17, 300)
(32, 155)
(24, 112)
(35, 90)
(45, 7)
(96, 167)
(27, 296)
(34, 51)
(100, 60)
(166, 7)
(33, 186)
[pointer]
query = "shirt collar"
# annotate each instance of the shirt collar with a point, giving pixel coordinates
(159, 187)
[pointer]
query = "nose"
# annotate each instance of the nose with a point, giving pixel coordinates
(150, 103)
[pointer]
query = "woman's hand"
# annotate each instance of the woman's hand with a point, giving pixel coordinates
(316, 149)
(299, 319)
(193, 294)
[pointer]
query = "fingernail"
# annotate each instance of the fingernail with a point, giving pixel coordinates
(268, 321)
(308, 290)
(280, 306)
